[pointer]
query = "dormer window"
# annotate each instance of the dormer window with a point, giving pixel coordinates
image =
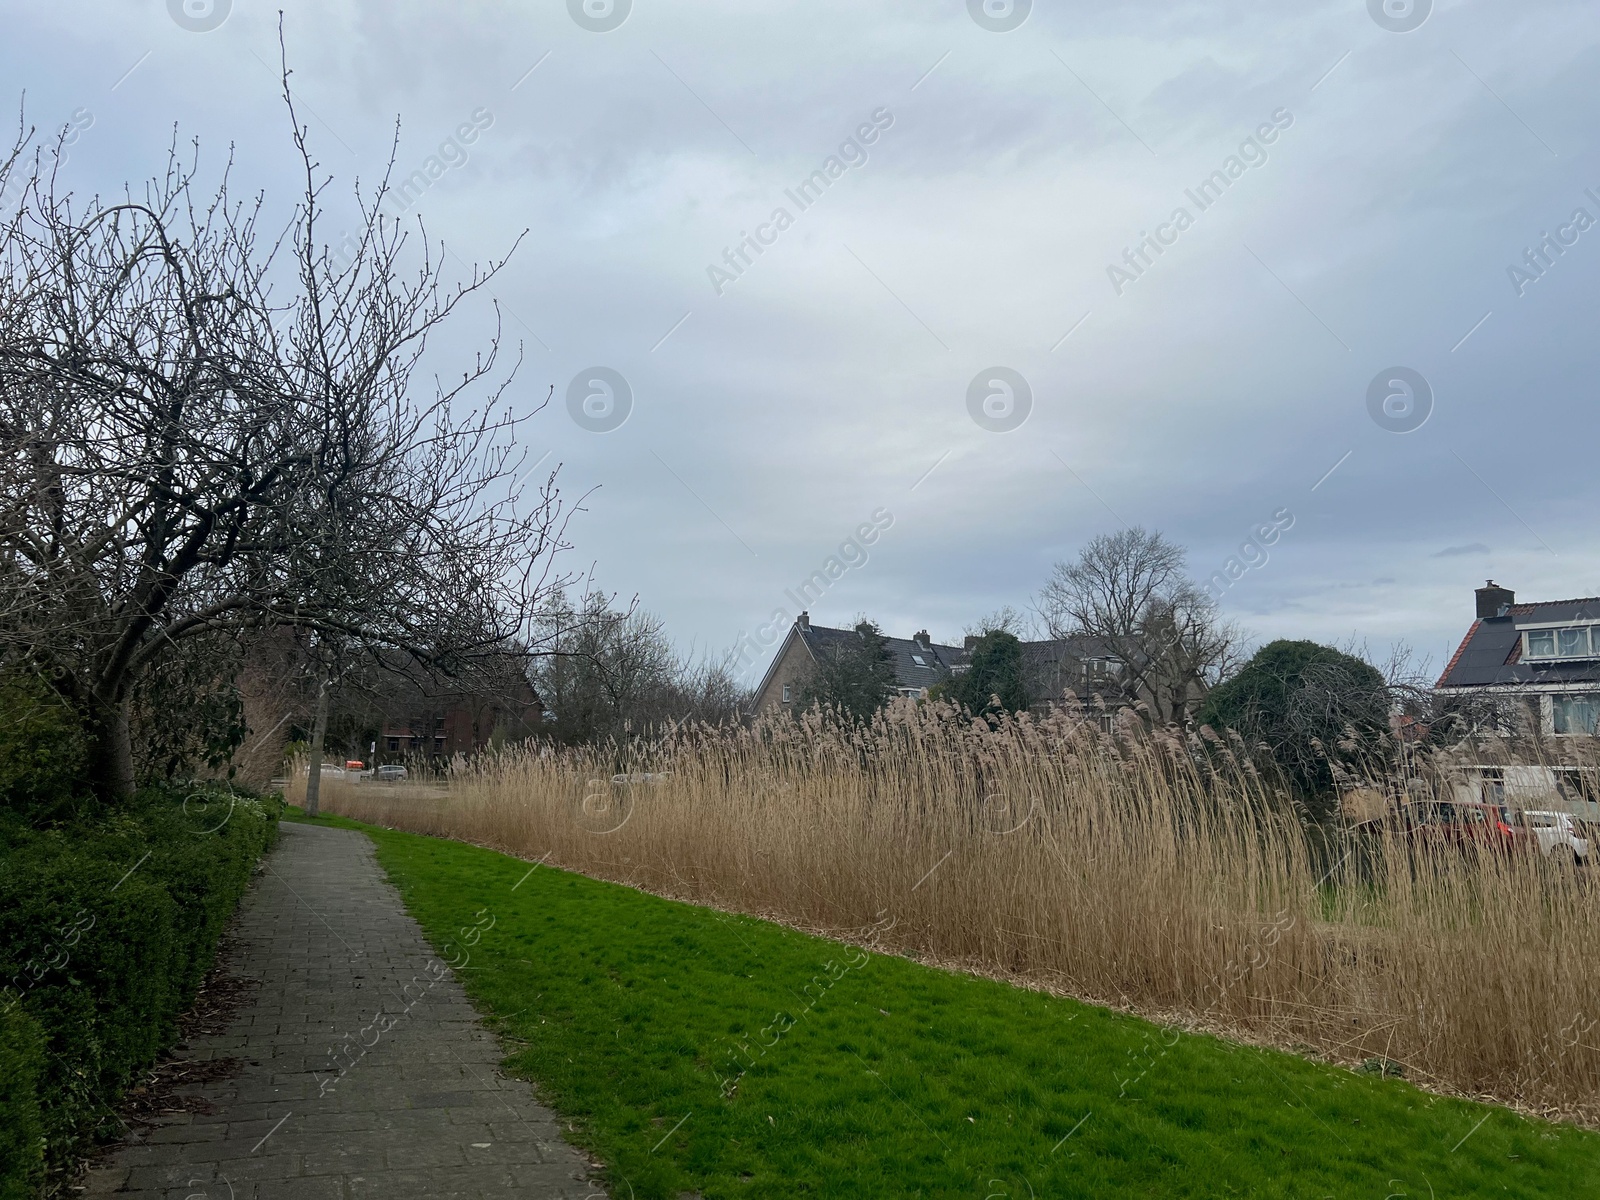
(1564, 642)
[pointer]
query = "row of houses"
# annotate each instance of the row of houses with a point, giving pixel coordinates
(1053, 670)
(1542, 657)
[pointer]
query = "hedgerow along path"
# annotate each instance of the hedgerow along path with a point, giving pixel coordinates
(696, 1051)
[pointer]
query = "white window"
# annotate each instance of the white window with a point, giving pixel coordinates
(919, 660)
(786, 693)
(1577, 713)
(1573, 641)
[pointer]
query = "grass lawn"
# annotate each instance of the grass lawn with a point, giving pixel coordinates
(698, 1052)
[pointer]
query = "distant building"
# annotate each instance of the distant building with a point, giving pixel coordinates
(919, 662)
(1052, 670)
(1078, 671)
(390, 706)
(440, 721)
(1542, 658)
(445, 724)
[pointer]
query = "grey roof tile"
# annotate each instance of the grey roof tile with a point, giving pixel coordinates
(936, 661)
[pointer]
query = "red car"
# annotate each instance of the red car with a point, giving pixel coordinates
(1450, 824)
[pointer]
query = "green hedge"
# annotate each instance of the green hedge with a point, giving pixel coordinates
(107, 927)
(21, 1126)
(42, 753)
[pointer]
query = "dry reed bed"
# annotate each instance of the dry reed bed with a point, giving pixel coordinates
(1126, 869)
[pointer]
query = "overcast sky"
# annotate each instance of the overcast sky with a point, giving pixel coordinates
(992, 230)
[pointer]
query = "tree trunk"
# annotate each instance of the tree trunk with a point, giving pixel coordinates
(319, 731)
(110, 751)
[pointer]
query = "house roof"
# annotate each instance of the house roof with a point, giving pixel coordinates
(1053, 664)
(1491, 653)
(1071, 649)
(935, 663)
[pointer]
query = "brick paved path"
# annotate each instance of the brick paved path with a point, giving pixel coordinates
(424, 1112)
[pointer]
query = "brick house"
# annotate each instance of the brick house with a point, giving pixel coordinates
(391, 709)
(440, 723)
(1541, 658)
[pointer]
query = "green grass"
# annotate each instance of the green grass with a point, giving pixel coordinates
(898, 1080)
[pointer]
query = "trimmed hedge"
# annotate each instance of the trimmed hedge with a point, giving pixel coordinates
(21, 1126)
(107, 927)
(42, 752)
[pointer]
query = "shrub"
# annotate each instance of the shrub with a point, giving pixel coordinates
(42, 749)
(1306, 704)
(107, 927)
(21, 1130)
(186, 711)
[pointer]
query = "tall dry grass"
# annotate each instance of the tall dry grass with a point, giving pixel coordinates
(1136, 870)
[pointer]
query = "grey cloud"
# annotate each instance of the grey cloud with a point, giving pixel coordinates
(810, 391)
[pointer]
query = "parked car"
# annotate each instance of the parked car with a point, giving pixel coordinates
(1451, 823)
(390, 773)
(1496, 827)
(1555, 833)
(1587, 829)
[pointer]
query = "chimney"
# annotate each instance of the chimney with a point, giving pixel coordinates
(1494, 601)
(968, 642)
(922, 639)
(804, 620)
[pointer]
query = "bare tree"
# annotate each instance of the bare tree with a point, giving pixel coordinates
(1130, 593)
(1005, 618)
(185, 455)
(603, 661)
(608, 673)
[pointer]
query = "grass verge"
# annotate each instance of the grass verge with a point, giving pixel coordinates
(695, 1051)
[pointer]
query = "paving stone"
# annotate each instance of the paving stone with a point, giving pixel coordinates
(186, 1132)
(326, 1188)
(329, 1105)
